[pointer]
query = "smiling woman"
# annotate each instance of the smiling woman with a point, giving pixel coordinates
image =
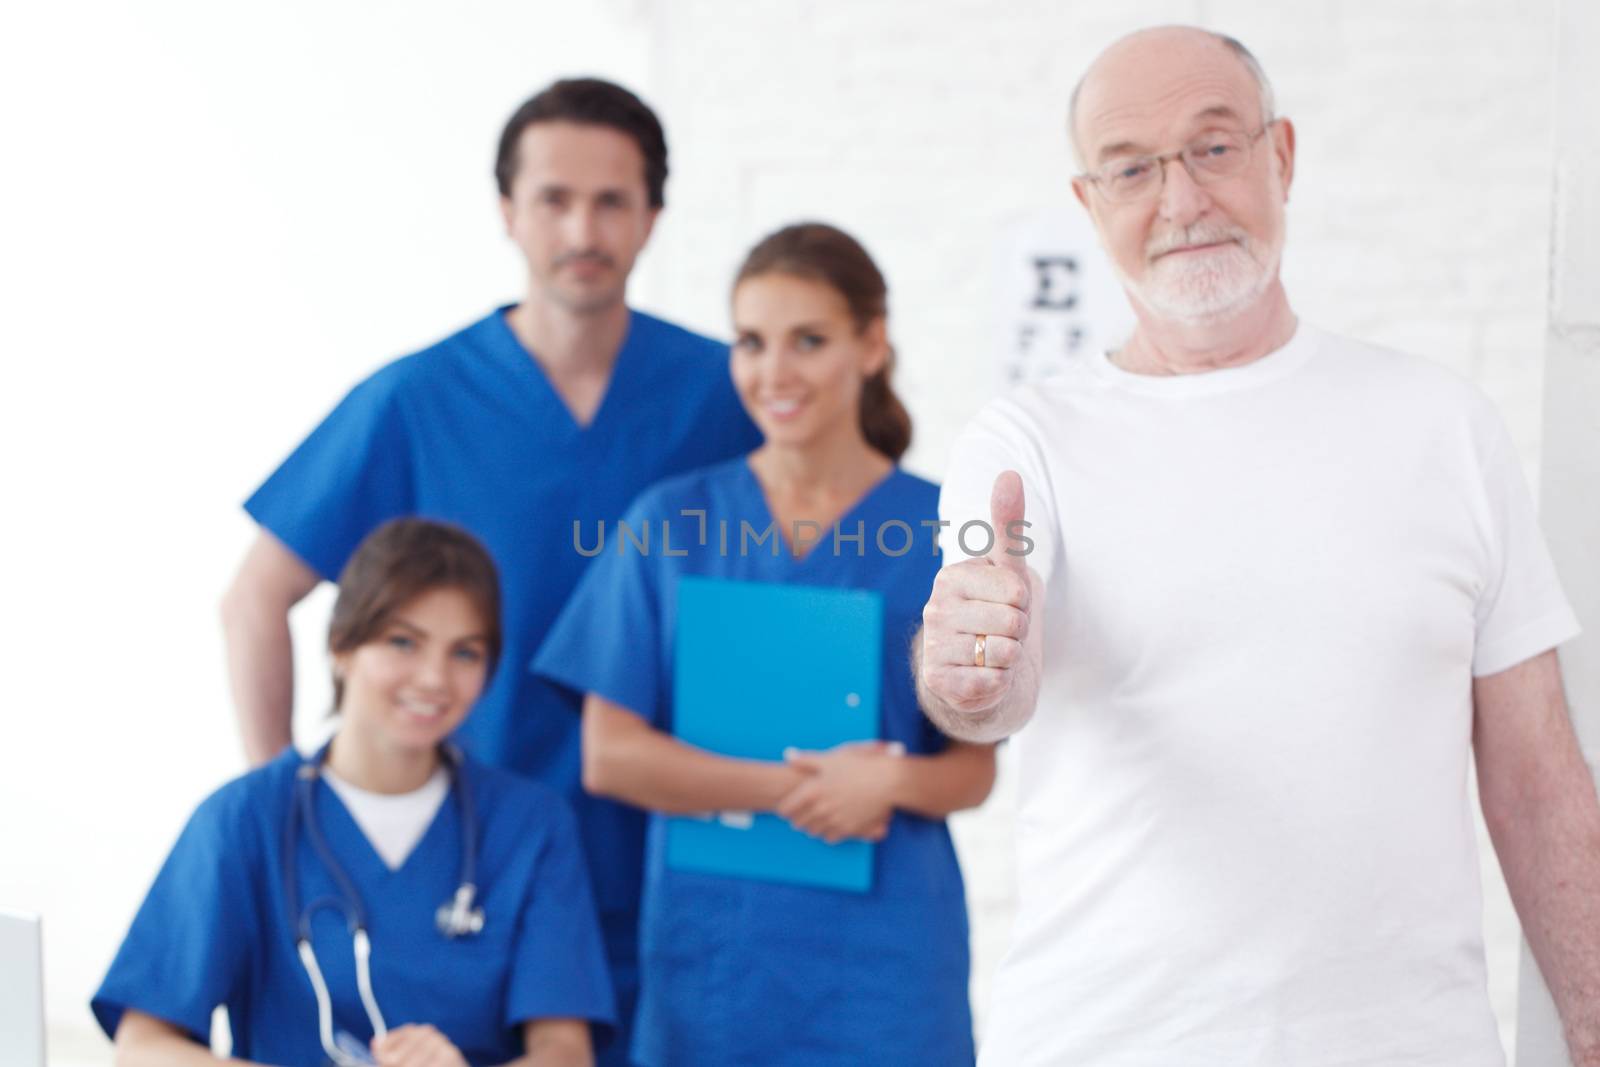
(780, 970)
(474, 935)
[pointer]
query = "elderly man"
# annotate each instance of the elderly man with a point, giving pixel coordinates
(1275, 587)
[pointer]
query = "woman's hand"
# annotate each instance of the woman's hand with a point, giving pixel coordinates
(416, 1046)
(847, 793)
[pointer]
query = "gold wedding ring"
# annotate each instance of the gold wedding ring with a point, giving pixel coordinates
(977, 650)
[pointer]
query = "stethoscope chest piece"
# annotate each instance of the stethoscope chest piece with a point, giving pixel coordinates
(459, 918)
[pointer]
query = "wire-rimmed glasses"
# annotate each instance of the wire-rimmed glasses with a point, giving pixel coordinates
(1213, 157)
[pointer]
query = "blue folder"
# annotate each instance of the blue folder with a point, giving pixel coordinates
(760, 668)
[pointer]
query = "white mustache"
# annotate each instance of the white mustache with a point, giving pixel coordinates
(1198, 234)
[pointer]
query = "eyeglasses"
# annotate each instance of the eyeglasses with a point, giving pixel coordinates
(1213, 158)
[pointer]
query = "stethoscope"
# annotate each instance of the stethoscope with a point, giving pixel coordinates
(457, 917)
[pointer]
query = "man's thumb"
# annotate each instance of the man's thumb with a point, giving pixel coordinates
(1006, 507)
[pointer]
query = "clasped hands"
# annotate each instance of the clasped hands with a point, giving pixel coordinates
(416, 1046)
(845, 792)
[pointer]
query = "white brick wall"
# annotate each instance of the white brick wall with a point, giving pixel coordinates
(1419, 215)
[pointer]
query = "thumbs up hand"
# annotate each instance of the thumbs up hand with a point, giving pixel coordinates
(976, 624)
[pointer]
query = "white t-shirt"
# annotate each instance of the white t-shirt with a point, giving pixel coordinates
(1244, 834)
(392, 822)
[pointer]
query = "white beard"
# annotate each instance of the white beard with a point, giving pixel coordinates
(1205, 286)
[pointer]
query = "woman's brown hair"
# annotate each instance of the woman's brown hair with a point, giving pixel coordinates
(827, 254)
(400, 561)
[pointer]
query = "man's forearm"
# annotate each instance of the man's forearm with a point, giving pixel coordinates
(1540, 807)
(260, 675)
(1551, 860)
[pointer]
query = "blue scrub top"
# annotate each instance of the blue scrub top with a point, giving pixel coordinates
(215, 928)
(735, 971)
(470, 431)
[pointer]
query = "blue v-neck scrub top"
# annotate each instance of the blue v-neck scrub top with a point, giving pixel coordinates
(736, 971)
(470, 431)
(215, 927)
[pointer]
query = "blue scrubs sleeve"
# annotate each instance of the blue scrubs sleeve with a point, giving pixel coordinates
(188, 948)
(352, 474)
(608, 638)
(558, 964)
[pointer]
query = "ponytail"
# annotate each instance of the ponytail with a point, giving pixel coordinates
(885, 422)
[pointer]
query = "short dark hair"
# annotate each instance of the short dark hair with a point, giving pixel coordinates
(400, 561)
(827, 254)
(588, 102)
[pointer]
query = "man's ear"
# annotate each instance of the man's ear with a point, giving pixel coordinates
(1080, 189)
(505, 213)
(1283, 151)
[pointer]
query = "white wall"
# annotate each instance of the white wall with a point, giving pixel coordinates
(216, 218)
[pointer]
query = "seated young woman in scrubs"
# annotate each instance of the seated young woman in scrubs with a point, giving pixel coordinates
(740, 971)
(368, 843)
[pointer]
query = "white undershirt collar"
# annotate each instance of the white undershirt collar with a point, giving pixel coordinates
(392, 822)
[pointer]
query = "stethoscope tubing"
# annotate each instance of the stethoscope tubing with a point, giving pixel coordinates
(302, 809)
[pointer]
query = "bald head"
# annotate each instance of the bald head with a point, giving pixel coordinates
(1131, 58)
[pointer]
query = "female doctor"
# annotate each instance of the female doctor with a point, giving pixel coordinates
(737, 971)
(386, 900)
